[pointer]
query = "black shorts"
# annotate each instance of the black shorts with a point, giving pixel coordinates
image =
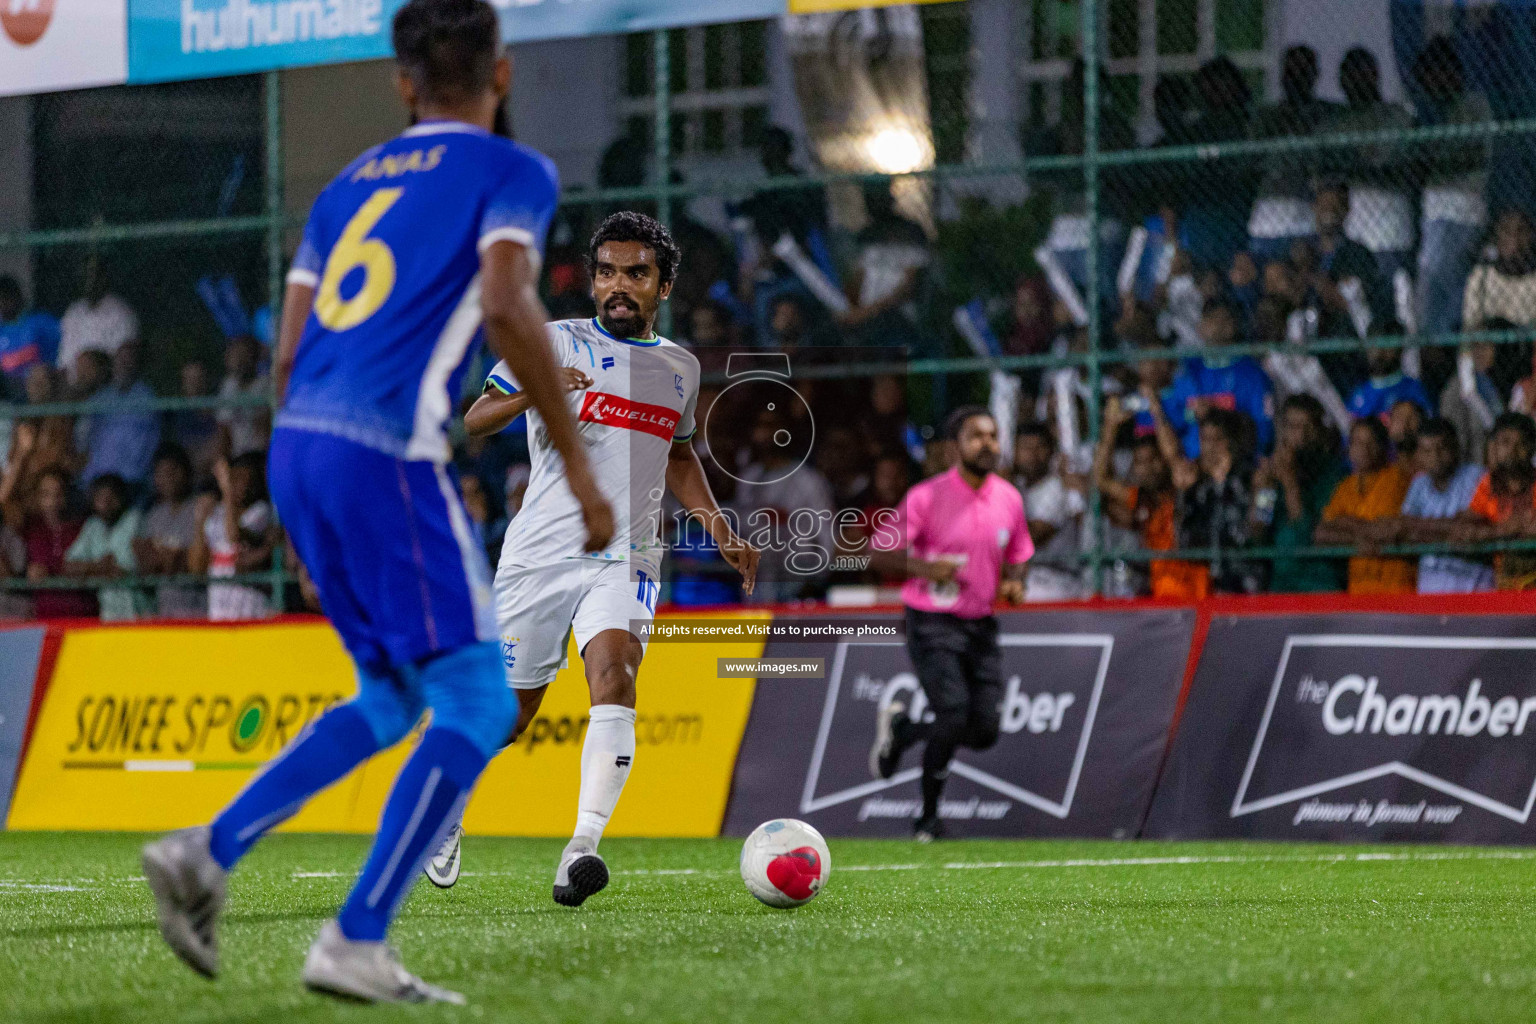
(958, 664)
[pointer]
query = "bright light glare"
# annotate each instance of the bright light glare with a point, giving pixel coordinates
(896, 151)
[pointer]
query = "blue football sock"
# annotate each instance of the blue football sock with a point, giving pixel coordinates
(332, 746)
(428, 796)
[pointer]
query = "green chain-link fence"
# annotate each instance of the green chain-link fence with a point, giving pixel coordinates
(1357, 220)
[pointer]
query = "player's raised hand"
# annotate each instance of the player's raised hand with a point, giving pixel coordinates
(574, 379)
(742, 557)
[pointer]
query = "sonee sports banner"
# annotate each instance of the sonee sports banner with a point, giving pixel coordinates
(1088, 698)
(1357, 728)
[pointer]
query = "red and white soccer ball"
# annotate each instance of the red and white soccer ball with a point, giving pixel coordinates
(785, 862)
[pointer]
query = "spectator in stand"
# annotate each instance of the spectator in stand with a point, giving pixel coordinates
(1472, 410)
(1504, 505)
(196, 430)
(1291, 490)
(1505, 290)
(1054, 512)
(104, 549)
(123, 437)
(28, 338)
(1454, 211)
(1342, 275)
(1215, 499)
(1386, 386)
(1154, 385)
(50, 530)
(244, 429)
(1438, 496)
(769, 491)
(800, 213)
(1030, 325)
(167, 533)
(98, 321)
(1217, 381)
(790, 325)
(236, 534)
(1281, 214)
(1404, 420)
(893, 257)
(892, 475)
(52, 440)
(1373, 492)
(1145, 503)
(1212, 221)
(1506, 287)
(1380, 178)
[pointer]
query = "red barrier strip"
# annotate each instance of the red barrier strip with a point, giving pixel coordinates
(53, 642)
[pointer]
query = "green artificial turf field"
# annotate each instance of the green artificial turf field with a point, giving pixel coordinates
(959, 931)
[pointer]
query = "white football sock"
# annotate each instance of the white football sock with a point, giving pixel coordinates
(606, 754)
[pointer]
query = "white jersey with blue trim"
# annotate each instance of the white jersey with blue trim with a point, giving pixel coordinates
(640, 404)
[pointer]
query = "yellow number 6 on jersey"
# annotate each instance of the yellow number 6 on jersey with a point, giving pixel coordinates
(355, 249)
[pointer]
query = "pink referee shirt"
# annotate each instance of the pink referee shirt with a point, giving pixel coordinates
(983, 527)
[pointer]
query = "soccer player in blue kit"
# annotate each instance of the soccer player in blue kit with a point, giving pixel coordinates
(414, 250)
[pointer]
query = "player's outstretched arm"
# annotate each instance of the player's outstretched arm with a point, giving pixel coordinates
(514, 328)
(494, 411)
(686, 480)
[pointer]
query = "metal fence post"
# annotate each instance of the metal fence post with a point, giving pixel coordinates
(275, 244)
(1090, 34)
(661, 164)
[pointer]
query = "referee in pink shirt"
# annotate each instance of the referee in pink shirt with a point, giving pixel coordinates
(965, 543)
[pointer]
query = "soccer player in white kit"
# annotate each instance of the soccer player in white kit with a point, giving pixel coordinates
(633, 394)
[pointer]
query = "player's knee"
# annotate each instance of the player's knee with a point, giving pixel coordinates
(390, 709)
(615, 684)
(468, 693)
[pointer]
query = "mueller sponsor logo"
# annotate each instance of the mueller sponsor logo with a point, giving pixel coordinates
(1454, 714)
(617, 411)
(1045, 728)
(25, 21)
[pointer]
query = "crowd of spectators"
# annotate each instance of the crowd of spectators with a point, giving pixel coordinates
(1245, 457)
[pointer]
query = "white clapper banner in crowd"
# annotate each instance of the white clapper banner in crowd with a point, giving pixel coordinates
(47, 45)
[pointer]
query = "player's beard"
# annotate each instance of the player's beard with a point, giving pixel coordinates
(981, 464)
(636, 326)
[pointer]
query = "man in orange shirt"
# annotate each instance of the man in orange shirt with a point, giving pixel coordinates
(1504, 505)
(1374, 491)
(1146, 504)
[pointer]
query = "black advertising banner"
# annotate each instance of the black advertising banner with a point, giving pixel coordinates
(1359, 728)
(1088, 700)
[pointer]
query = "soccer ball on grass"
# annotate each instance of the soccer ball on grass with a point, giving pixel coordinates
(785, 862)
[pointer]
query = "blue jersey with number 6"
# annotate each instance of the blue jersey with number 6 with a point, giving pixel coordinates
(392, 249)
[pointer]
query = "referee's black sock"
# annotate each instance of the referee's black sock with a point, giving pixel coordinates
(936, 757)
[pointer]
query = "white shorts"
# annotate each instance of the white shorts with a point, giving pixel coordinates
(538, 608)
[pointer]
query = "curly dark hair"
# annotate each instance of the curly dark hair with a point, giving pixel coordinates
(629, 226)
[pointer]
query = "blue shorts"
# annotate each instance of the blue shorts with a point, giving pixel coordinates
(388, 545)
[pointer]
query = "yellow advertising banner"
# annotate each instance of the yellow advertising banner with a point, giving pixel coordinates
(153, 728)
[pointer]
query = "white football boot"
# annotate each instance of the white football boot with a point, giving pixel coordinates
(189, 894)
(367, 971)
(442, 868)
(581, 873)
